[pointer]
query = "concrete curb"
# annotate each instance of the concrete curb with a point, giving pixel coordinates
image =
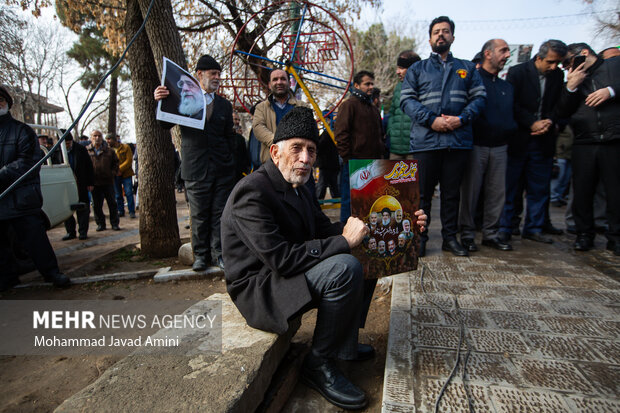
(234, 380)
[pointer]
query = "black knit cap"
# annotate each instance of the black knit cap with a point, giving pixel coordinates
(298, 123)
(5, 94)
(206, 62)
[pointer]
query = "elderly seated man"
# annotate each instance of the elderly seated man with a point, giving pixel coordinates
(283, 257)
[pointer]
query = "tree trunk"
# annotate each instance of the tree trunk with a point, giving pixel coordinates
(159, 230)
(113, 103)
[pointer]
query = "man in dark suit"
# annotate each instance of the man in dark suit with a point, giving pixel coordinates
(207, 166)
(283, 256)
(82, 168)
(537, 86)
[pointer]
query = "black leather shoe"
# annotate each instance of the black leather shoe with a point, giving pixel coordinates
(100, 228)
(516, 231)
(199, 264)
(325, 377)
(58, 279)
(220, 262)
(6, 283)
(454, 247)
(497, 244)
(68, 237)
(551, 230)
(116, 228)
(83, 236)
(422, 251)
(469, 244)
(584, 242)
(538, 237)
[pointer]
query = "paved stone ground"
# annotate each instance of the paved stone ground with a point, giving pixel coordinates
(541, 325)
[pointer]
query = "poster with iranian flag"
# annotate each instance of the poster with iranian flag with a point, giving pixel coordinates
(385, 194)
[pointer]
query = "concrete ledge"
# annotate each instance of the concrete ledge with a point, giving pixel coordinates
(234, 380)
(397, 379)
(187, 274)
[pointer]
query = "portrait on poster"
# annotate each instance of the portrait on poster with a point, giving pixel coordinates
(185, 105)
(385, 195)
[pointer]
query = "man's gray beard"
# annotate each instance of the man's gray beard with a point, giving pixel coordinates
(4, 111)
(188, 107)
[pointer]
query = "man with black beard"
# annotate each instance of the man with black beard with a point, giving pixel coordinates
(191, 97)
(443, 96)
(269, 112)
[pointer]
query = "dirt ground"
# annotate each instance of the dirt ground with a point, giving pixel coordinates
(41, 383)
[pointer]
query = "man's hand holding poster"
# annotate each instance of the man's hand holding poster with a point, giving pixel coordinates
(185, 105)
(385, 194)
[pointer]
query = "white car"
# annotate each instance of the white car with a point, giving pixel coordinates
(58, 186)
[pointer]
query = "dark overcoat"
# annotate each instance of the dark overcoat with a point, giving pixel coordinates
(527, 97)
(271, 236)
(19, 151)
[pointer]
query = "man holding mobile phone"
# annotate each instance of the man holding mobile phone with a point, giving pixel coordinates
(590, 100)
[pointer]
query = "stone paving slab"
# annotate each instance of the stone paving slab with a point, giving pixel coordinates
(542, 325)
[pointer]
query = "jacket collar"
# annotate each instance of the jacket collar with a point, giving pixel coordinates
(291, 98)
(438, 58)
(6, 118)
(298, 201)
(595, 66)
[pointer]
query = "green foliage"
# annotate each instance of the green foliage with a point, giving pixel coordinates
(377, 50)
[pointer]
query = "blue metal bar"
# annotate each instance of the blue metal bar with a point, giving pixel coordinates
(324, 83)
(301, 23)
(295, 66)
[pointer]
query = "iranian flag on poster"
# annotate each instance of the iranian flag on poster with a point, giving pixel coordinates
(385, 194)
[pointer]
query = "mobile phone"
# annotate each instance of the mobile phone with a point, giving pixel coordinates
(577, 60)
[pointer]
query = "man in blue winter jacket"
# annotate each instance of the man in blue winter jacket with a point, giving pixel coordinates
(442, 95)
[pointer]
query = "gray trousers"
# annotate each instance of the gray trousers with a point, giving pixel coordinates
(487, 167)
(337, 287)
(206, 203)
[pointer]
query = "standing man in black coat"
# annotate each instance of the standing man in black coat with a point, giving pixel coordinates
(82, 167)
(207, 165)
(591, 100)
(283, 257)
(21, 207)
(537, 86)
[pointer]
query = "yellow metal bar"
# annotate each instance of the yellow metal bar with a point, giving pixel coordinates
(291, 70)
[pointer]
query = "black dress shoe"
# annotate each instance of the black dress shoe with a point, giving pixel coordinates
(325, 377)
(100, 228)
(58, 279)
(422, 251)
(6, 283)
(83, 236)
(454, 247)
(497, 244)
(469, 244)
(68, 237)
(583, 242)
(538, 237)
(116, 228)
(551, 230)
(199, 264)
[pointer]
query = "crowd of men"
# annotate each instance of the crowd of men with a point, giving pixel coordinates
(486, 141)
